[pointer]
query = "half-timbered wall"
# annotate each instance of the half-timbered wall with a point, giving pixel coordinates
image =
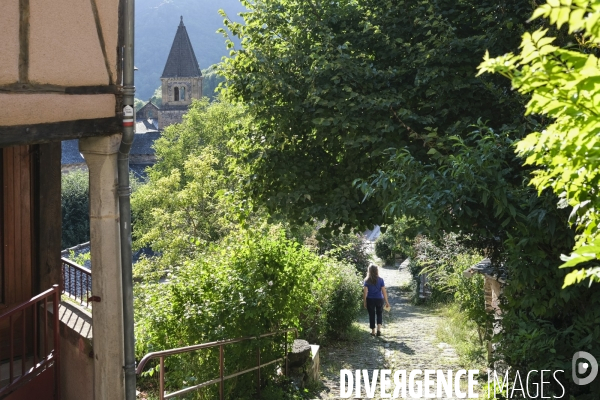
(59, 69)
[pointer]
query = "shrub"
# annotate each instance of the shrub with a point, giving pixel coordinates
(436, 259)
(75, 208)
(250, 283)
(384, 248)
(343, 298)
(397, 239)
(345, 247)
(469, 294)
(444, 264)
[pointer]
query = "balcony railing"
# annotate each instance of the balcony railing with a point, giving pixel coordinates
(77, 282)
(161, 355)
(28, 335)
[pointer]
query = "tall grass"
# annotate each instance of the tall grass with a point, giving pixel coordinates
(460, 332)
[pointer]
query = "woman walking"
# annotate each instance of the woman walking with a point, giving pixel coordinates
(374, 294)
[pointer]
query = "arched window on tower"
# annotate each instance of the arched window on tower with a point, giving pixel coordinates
(176, 94)
(182, 93)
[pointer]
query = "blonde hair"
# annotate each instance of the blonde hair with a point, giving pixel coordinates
(372, 274)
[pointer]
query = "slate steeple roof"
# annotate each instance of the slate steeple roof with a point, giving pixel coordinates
(182, 61)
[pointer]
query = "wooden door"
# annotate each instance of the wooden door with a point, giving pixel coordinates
(16, 219)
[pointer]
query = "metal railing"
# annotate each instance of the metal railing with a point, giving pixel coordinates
(222, 378)
(77, 282)
(34, 349)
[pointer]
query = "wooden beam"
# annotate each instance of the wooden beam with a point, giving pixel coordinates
(24, 41)
(101, 40)
(48, 221)
(58, 131)
(45, 88)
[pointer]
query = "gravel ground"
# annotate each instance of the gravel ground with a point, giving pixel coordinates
(408, 341)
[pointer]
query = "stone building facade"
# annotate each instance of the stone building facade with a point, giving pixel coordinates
(181, 80)
(149, 111)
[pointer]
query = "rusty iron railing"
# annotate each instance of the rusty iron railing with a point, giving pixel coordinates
(222, 378)
(34, 340)
(77, 282)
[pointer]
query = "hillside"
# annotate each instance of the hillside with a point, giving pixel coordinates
(156, 22)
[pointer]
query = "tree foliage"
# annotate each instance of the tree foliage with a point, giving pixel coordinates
(481, 192)
(386, 91)
(345, 247)
(74, 199)
(181, 206)
(398, 239)
(565, 86)
(210, 81)
(331, 87)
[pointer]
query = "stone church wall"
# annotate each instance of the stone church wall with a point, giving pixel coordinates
(169, 117)
(193, 90)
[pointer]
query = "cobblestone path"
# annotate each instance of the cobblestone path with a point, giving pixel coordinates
(408, 341)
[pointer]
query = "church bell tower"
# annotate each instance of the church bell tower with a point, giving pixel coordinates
(181, 80)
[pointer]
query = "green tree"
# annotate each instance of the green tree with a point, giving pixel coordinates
(331, 87)
(75, 199)
(181, 207)
(481, 192)
(139, 104)
(210, 81)
(564, 85)
(156, 98)
(75, 207)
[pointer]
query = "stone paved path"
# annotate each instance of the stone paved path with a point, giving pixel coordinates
(408, 341)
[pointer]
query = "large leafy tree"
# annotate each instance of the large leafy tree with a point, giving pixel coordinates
(565, 86)
(332, 85)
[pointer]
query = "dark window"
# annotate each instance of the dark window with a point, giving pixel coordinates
(176, 94)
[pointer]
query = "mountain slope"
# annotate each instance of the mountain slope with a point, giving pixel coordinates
(156, 22)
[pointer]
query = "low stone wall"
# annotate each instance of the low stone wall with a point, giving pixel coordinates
(304, 364)
(76, 353)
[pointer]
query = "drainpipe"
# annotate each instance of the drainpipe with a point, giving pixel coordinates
(124, 199)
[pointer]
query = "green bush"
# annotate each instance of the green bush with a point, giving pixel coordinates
(469, 294)
(343, 298)
(397, 239)
(444, 263)
(384, 248)
(75, 208)
(347, 248)
(250, 283)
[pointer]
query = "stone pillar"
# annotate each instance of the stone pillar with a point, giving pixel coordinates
(100, 154)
